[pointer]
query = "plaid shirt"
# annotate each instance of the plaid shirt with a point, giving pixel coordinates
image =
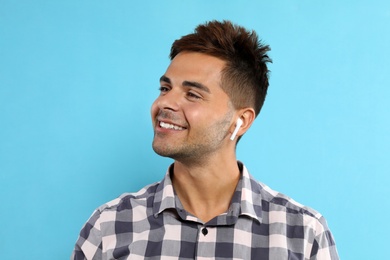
(152, 224)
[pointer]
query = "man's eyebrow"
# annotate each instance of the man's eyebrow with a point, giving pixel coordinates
(164, 78)
(196, 85)
(187, 83)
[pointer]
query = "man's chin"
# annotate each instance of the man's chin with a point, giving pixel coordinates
(162, 151)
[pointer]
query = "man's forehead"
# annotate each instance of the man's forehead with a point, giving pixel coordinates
(194, 66)
(198, 57)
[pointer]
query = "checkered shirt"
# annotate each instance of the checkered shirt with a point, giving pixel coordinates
(152, 224)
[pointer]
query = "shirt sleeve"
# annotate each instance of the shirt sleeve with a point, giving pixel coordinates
(89, 243)
(324, 246)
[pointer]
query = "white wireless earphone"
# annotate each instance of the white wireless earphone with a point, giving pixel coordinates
(238, 125)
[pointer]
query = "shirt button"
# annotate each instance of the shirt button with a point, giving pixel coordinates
(205, 231)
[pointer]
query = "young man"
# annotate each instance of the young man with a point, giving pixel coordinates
(207, 206)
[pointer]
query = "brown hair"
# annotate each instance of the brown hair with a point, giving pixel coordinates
(245, 77)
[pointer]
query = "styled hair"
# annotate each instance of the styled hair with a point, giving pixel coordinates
(245, 77)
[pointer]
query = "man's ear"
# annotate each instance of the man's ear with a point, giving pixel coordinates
(247, 115)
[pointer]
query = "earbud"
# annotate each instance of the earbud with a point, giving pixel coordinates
(238, 125)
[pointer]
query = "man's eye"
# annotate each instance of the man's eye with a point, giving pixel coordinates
(193, 95)
(163, 89)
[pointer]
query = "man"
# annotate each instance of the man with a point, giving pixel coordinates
(208, 206)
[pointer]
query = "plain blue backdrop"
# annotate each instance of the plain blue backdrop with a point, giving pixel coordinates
(77, 79)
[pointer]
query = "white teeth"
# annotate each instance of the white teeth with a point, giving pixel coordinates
(170, 126)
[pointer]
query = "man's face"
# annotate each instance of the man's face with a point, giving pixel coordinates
(192, 116)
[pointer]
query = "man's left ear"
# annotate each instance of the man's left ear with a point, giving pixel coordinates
(247, 115)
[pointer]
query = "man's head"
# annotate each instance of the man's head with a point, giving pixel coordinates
(217, 77)
(245, 77)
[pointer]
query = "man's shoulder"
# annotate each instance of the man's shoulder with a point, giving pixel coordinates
(271, 200)
(280, 208)
(281, 212)
(130, 200)
(275, 202)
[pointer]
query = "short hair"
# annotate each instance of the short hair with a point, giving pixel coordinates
(245, 77)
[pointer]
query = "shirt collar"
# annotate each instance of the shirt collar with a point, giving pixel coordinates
(250, 197)
(246, 199)
(164, 197)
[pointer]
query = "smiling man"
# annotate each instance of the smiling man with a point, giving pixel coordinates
(207, 206)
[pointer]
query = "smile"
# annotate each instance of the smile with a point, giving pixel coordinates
(170, 126)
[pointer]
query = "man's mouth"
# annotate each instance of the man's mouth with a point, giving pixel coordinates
(170, 126)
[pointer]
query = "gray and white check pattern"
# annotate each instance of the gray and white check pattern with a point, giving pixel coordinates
(152, 224)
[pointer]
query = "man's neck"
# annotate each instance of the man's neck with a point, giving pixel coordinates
(206, 189)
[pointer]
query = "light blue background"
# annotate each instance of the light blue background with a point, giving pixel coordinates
(77, 79)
